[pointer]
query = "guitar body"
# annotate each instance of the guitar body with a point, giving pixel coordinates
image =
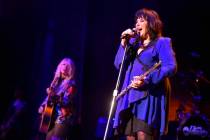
(47, 118)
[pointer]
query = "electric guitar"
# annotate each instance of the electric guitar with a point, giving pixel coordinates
(124, 91)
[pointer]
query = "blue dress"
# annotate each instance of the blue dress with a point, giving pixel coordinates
(153, 109)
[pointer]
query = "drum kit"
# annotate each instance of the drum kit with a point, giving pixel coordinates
(192, 114)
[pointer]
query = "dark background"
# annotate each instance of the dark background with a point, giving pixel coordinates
(35, 35)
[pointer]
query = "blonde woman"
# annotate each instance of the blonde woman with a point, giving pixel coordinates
(57, 109)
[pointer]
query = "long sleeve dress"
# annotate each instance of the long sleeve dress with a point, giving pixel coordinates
(152, 109)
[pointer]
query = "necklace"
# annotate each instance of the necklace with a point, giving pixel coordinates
(143, 46)
(146, 43)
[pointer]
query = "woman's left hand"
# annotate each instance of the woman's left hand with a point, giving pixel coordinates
(137, 82)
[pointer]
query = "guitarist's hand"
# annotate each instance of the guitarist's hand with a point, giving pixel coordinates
(41, 109)
(137, 82)
(50, 91)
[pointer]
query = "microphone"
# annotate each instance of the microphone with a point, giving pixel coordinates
(55, 80)
(125, 36)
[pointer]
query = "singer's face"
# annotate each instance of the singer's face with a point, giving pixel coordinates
(64, 67)
(142, 26)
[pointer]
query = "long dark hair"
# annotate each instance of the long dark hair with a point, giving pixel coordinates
(155, 24)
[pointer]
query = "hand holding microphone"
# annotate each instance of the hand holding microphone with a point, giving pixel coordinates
(126, 35)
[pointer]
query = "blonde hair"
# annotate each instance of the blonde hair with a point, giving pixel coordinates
(71, 72)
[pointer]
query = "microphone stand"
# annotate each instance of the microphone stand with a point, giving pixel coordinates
(115, 92)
